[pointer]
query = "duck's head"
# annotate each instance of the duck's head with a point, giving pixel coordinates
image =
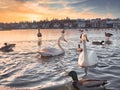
(73, 74)
(102, 42)
(5, 44)
(84, 37)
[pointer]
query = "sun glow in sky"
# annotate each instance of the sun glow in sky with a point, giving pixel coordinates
(36, 10)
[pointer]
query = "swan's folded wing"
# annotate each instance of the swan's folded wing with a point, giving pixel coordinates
(48, 51)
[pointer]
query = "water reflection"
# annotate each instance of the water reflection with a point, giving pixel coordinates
(24, 68)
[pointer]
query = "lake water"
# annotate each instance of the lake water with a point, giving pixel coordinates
(25, 69)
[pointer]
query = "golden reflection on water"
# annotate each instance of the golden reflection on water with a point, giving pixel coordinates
(28, 35)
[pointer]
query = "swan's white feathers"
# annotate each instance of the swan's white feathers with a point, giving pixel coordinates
(87, 58)
(49, 51)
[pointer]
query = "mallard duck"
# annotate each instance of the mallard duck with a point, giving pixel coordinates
(7, 47)
(86, 84)
(98, 42)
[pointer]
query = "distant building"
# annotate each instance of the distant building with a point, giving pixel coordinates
(81, 23)
(116, 24)
(45, 25)
(95, 23)
(87, 24)
(103, 23)
(23, 26)
(56, 25)
(109, 23)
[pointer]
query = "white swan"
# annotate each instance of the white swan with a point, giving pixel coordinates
(86, 58)
(48, 51)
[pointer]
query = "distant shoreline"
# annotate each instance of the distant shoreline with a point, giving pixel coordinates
(61, 28)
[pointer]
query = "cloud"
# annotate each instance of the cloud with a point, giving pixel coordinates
(27, 10)
(56, 4)
(97, 6)
(23, 1)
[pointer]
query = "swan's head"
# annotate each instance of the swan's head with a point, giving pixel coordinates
(84, 37)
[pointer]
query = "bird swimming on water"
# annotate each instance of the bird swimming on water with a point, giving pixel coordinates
(98, 42)
(51, 51)
(86, 58)
(108, 34)
(86, 84)
(39, 35)
(79, 49)
(7, 47)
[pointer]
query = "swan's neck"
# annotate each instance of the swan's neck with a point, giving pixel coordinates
(60, 44)
(84, 50)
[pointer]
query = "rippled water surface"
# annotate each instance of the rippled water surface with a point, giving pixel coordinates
(25, 69)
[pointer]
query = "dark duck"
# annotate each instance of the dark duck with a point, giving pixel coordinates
(7, 47)
(79, 49)
(86, 84)
(98, 42)
(39, 35)
(108, 34)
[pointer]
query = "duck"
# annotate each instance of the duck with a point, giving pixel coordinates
(86, 58)
(39, 35)
(108, 34)
(86, 84)
(7, 47)
(98, 42)
(79, 49)
(49, 51)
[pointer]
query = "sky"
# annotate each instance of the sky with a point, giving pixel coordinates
(36, 10)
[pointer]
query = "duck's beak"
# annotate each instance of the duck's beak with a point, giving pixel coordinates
(66, 74)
